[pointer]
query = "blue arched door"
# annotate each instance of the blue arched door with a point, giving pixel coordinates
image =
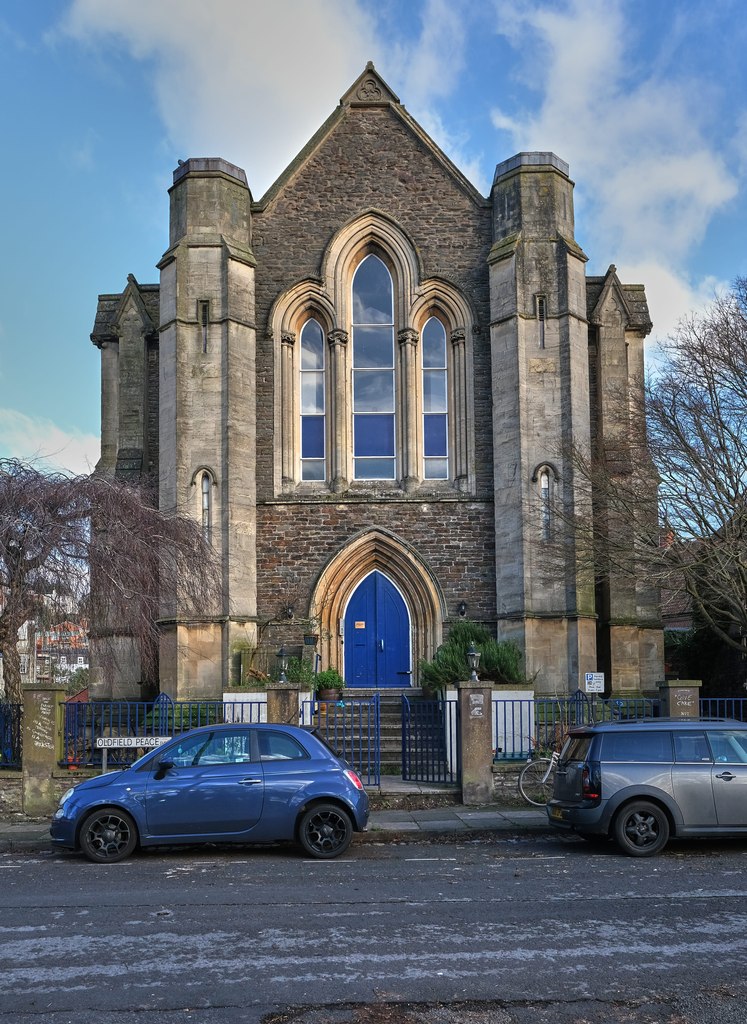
(377, 635)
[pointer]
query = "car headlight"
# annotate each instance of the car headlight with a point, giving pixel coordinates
(66, 796)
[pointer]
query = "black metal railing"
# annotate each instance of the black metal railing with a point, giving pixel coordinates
(11, 716)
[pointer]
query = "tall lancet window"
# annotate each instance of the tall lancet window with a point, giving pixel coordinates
(435, 401)
(313, 402)
(546, 508)
(206, 495)
(373, 372)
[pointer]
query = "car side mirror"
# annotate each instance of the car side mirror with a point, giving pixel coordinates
(161, 768)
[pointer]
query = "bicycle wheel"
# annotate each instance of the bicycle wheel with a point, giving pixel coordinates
(535, 781)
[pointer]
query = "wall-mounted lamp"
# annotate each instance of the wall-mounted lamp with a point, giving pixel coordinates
(282, 657)
(473, 657)
(288, 613)
(461, 609)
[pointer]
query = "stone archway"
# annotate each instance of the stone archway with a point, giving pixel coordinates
(378, 550)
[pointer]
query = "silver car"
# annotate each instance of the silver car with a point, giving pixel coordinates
(641, 782)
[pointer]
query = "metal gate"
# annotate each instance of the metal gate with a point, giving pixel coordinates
(352, 727)
(431, 749)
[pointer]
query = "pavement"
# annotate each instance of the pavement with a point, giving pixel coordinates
(32, 836)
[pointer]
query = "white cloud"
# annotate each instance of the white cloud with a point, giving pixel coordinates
(41, 440)
(671, 295)
(651, 180)
(433, 62)
(222, 88)
(251, 81)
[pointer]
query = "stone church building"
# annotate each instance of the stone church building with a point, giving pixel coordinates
(363, 385)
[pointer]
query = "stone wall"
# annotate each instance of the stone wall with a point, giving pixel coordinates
(371, 160)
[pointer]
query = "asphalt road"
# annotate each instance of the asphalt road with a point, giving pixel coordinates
(503, 931)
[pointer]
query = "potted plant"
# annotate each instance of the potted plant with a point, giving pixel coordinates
(328, 684)
(310, 631)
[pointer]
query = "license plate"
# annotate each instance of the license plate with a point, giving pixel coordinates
(556, 812)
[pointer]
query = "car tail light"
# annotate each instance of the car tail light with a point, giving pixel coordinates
(591, 781)
(354, 778)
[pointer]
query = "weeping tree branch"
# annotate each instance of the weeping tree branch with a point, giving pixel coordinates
(59, 532)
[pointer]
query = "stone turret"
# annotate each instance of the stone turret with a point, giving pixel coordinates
(207, 432)
(539, 346)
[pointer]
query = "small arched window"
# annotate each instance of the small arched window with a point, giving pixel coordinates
(546, 510)
(373, 372)
(435, 401)
(206, 497)
(313, 402)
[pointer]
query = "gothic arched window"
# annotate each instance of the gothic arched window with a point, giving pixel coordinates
(545, 478)
(313, 402)
(373, 372)
(435, 401)
(206, 499)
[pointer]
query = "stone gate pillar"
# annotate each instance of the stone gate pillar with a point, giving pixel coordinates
(282, 703)
(680, 698)
(476, 737)
(42, 747)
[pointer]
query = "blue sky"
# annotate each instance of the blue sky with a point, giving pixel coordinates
(646, 100)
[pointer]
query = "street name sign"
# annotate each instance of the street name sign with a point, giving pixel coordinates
(108, 742)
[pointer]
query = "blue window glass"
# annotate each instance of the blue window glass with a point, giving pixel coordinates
(374, 436)
(434, 435)
(312, 437)
(374, 469)
(435, 401)
(373, 373)
(313, 402)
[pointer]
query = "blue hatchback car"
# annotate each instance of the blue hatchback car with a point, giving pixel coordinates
(221, 783)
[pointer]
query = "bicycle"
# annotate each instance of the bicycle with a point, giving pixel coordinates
(536, 779)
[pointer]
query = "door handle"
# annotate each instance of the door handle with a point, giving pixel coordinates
(726, 776)
(250, 782)
(381, 645)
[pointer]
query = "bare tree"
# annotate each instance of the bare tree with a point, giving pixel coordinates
(57, 532)
(670, 501)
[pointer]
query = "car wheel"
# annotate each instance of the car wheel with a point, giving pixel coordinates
(108, 835)
(325, 830)
(641, 829)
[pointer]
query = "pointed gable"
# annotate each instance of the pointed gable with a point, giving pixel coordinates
(369, 89)
(111, 308)
(630, 299)
(371, 93)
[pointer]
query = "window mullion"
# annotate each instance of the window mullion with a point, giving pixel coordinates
(408, 395)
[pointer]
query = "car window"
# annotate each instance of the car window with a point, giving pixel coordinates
(576, 748)
(212, 748)
(691, 746)
(277, 746)
(729, 746)
(637, 746)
